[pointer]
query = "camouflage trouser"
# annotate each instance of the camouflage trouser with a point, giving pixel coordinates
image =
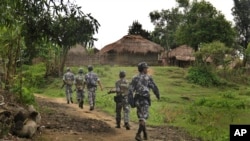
(80, 95)
(91, 96)
(122, 105)
(68, 92)
(142, 105)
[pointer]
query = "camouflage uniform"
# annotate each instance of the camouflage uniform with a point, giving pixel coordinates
(121, 100)
(91, 80)
(140, 86)
(68, 79)
(79, 81)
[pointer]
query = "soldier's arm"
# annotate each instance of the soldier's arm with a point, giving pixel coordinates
(99, 83)
(154, 87)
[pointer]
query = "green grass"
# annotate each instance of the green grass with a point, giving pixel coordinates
(204, 112)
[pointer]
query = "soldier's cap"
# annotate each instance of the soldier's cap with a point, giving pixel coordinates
(90, 68)
(80, 70)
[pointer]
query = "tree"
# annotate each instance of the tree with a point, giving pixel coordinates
(241, 12)
(216, 51)
(204, 24)
(166, 23)
(25, 25)
(136, 29)
(62, 23)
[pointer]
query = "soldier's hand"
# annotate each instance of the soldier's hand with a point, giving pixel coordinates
(158, 97)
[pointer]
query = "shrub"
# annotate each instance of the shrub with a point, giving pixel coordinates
(202, 76)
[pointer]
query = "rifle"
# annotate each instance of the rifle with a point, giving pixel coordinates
(110, 91)
(63, 84)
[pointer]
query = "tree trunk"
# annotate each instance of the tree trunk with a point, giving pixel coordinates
(63, 61)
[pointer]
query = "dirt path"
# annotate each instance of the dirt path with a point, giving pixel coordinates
(67, 122)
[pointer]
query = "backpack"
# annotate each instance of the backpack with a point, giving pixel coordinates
(91, 80)
(123, 85)
(79, 82)
(69, 78)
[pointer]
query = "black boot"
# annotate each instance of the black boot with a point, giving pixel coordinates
(71, 100)
(81, 104)
(138, 135)
(91, 108)
(127, 126)
(67, 101)
(118, 123)
(145, 135)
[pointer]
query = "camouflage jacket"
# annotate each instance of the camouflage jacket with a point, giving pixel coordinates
(141, 85)
(121, 87)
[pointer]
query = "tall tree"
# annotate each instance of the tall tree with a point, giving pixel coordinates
(61, 22)
(166, 22)
(136, 29)
(241, 12)
(204, 24)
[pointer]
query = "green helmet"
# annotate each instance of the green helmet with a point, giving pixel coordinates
(90, 68)
(80, 70)
(141, 66)
(122, 74)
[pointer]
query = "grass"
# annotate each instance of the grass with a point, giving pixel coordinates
(204, 112)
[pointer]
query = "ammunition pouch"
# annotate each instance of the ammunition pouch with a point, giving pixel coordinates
(118, 98)
(79, 87)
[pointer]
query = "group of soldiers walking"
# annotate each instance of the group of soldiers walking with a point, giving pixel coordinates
(89, 80)
(135, 94)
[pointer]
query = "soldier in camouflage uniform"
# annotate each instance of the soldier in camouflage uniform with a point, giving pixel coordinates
(79, 81)
(121, 100)
(91, 80)
(139, 97)
(68, 80)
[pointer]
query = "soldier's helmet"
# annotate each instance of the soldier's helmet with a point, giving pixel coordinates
(122, 74)
(80, 70)
(141, 66)
(90, 68)
(68, 68)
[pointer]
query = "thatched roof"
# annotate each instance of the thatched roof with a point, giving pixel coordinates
(132, 44)
(77, 50)
(183, 52)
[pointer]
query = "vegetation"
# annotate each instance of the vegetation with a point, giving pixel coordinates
(191, 23)
(30, 29)
(240, 11)
(203, 99)
(203, 111)
(136, 29)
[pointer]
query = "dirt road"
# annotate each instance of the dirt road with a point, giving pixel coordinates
(67, 122)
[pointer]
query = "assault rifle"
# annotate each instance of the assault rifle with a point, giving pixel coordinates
(63, 84)
(111, 90)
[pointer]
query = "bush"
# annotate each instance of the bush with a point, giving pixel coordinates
(202, 76)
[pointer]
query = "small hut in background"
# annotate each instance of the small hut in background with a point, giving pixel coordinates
(75, 55)
(181, 56)
(130, 50)
(78, 55)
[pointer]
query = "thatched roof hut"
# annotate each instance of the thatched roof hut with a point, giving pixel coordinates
(181, 56)
(183, 52)
(132, 44)
(130, 50)
(78, 55)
